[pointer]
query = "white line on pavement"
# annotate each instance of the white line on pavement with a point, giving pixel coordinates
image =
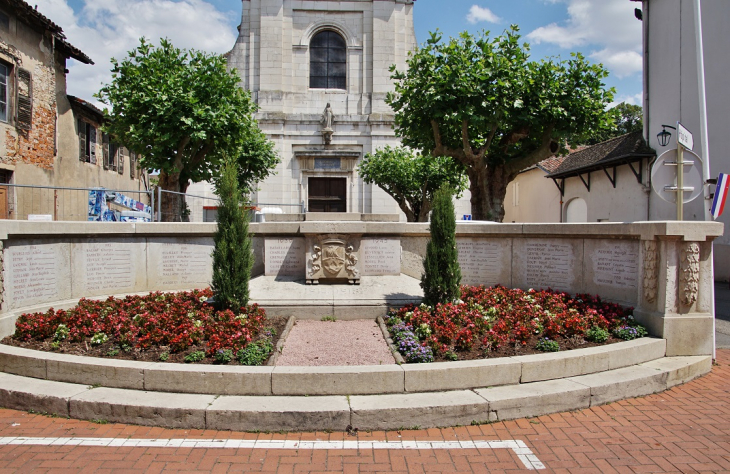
(519, 447)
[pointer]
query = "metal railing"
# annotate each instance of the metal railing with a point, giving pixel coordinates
(57, 203)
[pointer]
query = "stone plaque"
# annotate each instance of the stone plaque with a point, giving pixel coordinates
(380, 256)
(180, 263)
(284, 257)
(549, 264)
(480, 261)
(36, 273)
(106, 267)
(616, 264)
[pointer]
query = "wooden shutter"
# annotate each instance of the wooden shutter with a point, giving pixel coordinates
(105, 150)
(120, 166)
(92, 144)
(82, 140)
(132, 164)
(24, 119)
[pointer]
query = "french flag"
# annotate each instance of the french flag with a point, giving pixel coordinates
(721, 192)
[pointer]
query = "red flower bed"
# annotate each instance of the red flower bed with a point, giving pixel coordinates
(490, 318)
(178, 321)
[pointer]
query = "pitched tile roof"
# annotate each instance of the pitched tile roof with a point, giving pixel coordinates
(624, 149)
(32, 16)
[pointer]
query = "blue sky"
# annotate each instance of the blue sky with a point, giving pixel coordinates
(603, 30)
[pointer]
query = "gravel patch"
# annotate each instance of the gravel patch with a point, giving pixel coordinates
(315, 343)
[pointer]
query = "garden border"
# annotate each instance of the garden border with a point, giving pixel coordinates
(326, 380)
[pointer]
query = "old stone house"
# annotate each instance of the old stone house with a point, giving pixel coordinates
(46, 138)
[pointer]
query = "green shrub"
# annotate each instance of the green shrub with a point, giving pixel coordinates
(546, 345)
(112, 352)
(451, 355)
(196, 356)
(223, 356)
(596, 334)
(99, 338)
(232, 255)
(164, 356)
(441, 272)
(256, 353)
(61, 333)
(628, 333)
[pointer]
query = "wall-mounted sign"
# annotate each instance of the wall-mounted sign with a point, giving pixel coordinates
(684, 137)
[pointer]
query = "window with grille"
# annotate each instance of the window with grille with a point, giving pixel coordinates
(327, 61)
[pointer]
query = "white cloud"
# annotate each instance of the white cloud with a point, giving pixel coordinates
(609, 25)
(477, 14)
(620, 63)
(635, 99)
(109, 28)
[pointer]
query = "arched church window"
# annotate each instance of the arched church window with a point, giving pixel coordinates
(327, 61)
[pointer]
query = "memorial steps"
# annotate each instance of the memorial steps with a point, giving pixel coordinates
(289, 296)
(331, 398)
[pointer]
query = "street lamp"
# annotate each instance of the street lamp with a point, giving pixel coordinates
(665, 135)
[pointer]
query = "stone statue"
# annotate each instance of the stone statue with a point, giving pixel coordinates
(327, 118)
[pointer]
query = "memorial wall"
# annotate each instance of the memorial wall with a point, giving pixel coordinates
(663, 269)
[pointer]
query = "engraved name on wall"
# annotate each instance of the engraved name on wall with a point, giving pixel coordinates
(284, 257)
(33, 274)
(106, 267)
(380, 256)
(549, 264)
(616, 264)
(480, 261)
(182, 264)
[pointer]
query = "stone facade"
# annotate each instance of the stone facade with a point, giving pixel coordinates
(39, 136)
(272, 55)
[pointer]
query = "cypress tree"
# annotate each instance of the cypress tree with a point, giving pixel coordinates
(232, 256)
(441, 271)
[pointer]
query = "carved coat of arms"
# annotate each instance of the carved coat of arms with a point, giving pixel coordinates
(333, 258)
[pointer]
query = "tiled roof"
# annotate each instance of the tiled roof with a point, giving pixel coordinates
(551, 164)
(623, 149)
(32, 16)
(87, 105)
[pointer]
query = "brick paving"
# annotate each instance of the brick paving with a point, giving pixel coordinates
(685, 429)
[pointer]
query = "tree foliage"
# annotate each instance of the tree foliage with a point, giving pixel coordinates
(183, 112)
(441, 271)
(411, 178)
(486, 105)
(627, 118)
(232, 255)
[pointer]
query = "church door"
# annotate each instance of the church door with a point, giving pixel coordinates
(327, 195)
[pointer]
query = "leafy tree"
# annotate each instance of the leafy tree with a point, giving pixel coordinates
(182, 111)
(483, 103)
(232, 254)
(627, 118)
(441, 271)
(411, 179)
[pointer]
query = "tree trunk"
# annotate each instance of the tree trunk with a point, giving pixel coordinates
(171, 203)
(488, 187)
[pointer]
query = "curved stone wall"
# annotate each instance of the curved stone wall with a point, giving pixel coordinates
(663, 269)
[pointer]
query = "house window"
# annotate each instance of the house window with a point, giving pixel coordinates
(4, 92)
(327, 61)
(87, 142)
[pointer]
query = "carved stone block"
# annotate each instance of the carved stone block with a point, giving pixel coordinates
(651, 270)
(333, 257)
(689, 277)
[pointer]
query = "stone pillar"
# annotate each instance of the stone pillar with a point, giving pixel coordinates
(675, 295)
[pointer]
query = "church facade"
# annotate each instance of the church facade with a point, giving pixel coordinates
(319, 72)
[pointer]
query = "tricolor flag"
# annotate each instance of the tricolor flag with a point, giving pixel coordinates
(721, 192)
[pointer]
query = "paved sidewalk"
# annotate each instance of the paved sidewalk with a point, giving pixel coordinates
(685, 429)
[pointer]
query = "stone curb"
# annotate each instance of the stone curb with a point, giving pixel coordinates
(332, 380)
(371, 412)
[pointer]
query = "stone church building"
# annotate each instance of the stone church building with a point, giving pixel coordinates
(318, 70)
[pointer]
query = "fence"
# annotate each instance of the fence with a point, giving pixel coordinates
(184, 207)
(31, 202)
